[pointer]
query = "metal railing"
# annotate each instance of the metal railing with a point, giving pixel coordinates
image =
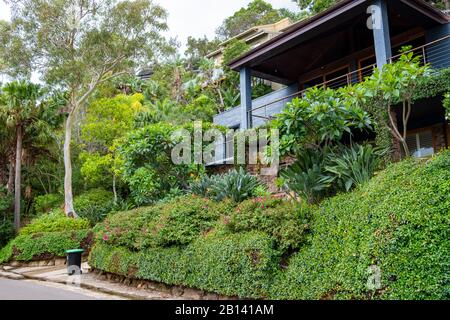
(435, 53)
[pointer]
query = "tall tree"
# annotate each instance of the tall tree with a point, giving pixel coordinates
(197, 49)
(19, 108)
(256, 13)
(79, 44)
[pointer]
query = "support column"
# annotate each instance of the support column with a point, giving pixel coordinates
(382, 39)
(246, 98)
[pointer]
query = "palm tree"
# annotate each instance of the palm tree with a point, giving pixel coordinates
(19, 108)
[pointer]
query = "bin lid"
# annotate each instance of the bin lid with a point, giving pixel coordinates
(75, 251)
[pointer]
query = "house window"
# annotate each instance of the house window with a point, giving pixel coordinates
(420, 144)
(229, 144)
(313, 82)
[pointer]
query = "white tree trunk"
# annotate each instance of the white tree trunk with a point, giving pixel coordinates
(114, 189)
(18, 169)
(68, 195)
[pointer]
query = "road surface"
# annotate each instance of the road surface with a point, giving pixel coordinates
(37, 290)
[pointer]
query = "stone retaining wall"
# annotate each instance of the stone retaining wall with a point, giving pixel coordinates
(176, 291)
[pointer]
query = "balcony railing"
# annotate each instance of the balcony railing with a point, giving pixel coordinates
(435, 53)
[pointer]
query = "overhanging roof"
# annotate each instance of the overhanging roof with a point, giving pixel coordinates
(281, 42)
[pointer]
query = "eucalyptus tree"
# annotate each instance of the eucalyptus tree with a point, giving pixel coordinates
(79, 44)
(19, 109)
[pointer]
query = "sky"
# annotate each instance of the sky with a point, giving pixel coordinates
(194, 17)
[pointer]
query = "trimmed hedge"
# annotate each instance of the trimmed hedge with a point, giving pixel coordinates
(232, 264)
(45, 245)
(286, 222)
(177, 222)
(48, 236)
(55, 221)
(398, 222)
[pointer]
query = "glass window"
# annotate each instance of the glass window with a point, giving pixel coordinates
(420, 144)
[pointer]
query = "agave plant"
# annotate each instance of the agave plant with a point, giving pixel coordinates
(352, 166)
(234, 185)
(305, 177)
(202, 187)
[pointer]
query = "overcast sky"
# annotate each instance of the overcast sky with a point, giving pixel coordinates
(194, 17)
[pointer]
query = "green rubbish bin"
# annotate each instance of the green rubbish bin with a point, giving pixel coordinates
(74, 261)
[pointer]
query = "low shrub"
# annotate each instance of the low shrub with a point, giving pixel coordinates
(285, 221)
(177, 222)
(398, 222)
(46, 245)
(232, 264)
(6, 232)
(94, 205)
(47, 202)
(55, 221)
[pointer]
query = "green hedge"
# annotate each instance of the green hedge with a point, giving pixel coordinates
(45, 245)
(232, 264)
(177, 222)
(48, 236)
(55, 221)
(398, 222)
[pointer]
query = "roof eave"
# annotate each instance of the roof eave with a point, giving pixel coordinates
(302, 26)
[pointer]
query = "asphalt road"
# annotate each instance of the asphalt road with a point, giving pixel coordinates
(36, 290)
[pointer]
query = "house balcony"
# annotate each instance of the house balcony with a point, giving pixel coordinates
(434, 53)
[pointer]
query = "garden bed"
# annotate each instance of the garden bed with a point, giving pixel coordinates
(398, 223)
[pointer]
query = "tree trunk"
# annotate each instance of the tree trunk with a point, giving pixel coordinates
(10, 185)
(68, 195)
(114, 188)
(447, 4)
(18, 172)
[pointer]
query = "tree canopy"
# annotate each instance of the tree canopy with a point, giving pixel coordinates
(257, 12)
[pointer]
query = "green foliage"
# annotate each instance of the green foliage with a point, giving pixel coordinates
(257, 12)
(398, 222)
(234, 185)
(446, 104)
(147, 163)
(236, 264)
(234, 49)
(285, 221)
(55, 221)
(314, 6)
(432, 85)
(177, 222)
(306, 176)
(352, 166)
(6, 231)
(47, 202)
(46, 245)
(319, 119)
(94, 205)
(198, 48)
(319, 173)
